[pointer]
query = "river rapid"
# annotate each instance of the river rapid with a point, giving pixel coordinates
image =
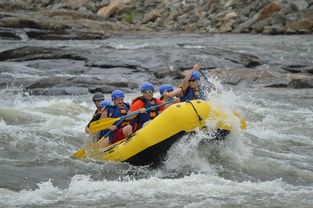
(268, 165)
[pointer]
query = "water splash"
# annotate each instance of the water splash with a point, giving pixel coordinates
(193, 190)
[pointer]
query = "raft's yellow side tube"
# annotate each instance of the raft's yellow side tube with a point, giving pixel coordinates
(157, 136)
(181, 117)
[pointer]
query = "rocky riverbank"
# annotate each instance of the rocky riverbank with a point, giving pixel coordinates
(83, 19)
(159, 52)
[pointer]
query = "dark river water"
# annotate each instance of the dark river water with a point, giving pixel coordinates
(268, 165)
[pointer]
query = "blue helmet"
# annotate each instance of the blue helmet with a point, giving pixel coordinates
(147, 86)
(98, 96)
(166, 88)
(117, 94)
(195, 76)
(104, 103)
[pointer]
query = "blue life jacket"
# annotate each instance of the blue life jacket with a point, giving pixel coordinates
(149, 115)
(191, 94)
(115, 112)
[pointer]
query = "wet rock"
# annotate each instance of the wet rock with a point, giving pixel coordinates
(33, 53)
(102, 89)
(277, 85)
(168, 71)
(299, 68)
(48, 82)
(59, 69)
(17, 74)
(247, 60)
(4, 35)
(57, 91)
(300, 81)
(65, 35)
(244, 76)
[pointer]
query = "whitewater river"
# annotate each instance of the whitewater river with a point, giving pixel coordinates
(268, 165)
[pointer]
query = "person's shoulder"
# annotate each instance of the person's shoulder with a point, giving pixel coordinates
(136, 99)
(158, 101)
(127, 104)
(137, 102)
(136, 105)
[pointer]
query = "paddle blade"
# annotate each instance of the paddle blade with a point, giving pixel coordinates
(90, 149)
(243, 123)
(101, 124)
(79, 154)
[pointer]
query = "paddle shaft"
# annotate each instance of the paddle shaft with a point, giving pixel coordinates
(82, 154)
(137, 112)
(107, 122)
(206, 79)
(118, 123)
(147, 109)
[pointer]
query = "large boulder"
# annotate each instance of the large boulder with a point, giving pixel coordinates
(114, 6)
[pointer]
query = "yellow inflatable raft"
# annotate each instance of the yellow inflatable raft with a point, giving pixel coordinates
(146, 145)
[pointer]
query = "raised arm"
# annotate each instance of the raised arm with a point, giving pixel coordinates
(188, 75)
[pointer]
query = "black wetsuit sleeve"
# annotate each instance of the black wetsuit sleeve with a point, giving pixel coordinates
(95, 118)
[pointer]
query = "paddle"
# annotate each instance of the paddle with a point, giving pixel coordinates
(211, 85)
(243, 123)
(105, 123)
(201, 72)
(82, 153)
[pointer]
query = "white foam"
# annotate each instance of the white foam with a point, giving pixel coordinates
(195, 186)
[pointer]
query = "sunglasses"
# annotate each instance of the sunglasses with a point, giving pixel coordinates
(98, 100)
(148, 92)
(192, 80)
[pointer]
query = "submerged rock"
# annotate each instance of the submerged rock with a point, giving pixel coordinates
(300, 81)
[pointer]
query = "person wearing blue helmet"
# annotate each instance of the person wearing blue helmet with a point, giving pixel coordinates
(165, 88)
(147, 87)
(117, 131)
(104, 103)
(143, 102)
(191, 89)
(168, 93)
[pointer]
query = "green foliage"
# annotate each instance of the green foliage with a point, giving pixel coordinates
(129, 16)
